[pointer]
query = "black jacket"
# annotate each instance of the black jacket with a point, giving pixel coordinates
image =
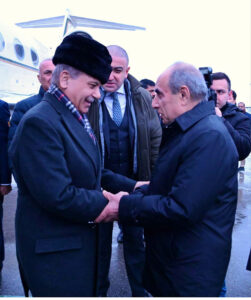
(21, 108)
(239, 126)
(188, 210)
(58, 171)
(5, 175)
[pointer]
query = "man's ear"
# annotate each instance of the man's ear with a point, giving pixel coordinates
(38, 77)
(230, 95)
(64, 79)
(127, 71)
(184, 95)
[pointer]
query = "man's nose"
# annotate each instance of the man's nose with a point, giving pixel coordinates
(96, 93)
(111, 77)
(155, 102)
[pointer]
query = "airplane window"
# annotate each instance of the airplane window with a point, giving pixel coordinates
(19, 49)
(34, 57)
(2, 42)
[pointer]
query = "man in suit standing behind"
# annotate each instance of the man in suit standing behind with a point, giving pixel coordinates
(46, 68)
(129, 133)
(5, 175)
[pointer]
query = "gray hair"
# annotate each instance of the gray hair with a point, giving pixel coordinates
(118, 51)
(186, 74)
(74, 73)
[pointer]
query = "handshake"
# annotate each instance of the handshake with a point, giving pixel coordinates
(111, 211)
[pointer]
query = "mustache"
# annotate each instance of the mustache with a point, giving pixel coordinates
(90, 99)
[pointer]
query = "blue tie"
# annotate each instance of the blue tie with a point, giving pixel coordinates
(116, 109)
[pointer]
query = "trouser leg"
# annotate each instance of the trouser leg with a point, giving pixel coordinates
(134, 255)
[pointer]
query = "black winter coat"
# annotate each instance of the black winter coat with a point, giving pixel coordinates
(21, 108)
(5, 175)
(188, 210)
(239, 126)
(58, 171)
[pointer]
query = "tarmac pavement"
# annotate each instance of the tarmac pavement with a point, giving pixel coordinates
(238, 279)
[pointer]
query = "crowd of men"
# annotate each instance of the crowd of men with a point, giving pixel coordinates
(96, 145)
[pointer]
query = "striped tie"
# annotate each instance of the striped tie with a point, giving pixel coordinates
(117, 114)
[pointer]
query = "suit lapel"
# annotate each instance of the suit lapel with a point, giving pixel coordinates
(77, 131)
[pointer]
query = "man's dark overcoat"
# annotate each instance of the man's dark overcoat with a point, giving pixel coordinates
(58, 171)
(189, 208)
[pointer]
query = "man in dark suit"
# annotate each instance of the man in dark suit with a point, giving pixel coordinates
(130, 146)
(188, 209)
(46, 68)
(5, 175)
(57, 166)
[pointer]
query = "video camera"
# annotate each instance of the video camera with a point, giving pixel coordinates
(207, 73)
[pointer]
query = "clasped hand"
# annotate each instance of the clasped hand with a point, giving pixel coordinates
(111, 211)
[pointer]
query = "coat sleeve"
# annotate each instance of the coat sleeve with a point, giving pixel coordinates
(115, 183)
(241, 134)
(41, 171)
(196, 185)
(5, 175)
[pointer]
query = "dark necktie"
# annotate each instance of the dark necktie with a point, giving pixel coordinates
(116, 109)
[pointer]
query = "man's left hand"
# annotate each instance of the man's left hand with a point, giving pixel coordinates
(111, 211)
(140, 183)
(218, 112)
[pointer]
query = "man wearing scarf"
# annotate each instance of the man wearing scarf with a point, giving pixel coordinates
(58, 170)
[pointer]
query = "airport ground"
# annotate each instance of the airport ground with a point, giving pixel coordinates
(238, 279)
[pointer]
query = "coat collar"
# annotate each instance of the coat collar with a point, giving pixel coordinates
(77, 131)
(41, 91)
(200, 111)
(229, 109)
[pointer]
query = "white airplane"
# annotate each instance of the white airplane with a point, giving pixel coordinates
(21, 55)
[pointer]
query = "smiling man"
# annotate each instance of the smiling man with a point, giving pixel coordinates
(58, 170)
(188, 209)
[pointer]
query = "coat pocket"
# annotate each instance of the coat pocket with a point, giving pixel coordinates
(58, 244)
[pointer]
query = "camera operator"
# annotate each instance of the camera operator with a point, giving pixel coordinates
(236, 122)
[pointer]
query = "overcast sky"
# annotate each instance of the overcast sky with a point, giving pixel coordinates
(213, 33)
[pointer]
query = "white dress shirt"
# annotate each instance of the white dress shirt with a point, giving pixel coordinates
(122, 101)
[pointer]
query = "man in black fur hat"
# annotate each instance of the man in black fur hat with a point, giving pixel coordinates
(57, 167)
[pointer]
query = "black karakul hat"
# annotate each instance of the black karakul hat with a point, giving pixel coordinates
(86, 55)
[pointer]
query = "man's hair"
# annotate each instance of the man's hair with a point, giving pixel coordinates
(145, 82)
(186, 74)
(74, 73)
(118, 51)
(234, 94)
(221, 75)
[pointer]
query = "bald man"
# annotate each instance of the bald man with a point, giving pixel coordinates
(129, 133)
(46, 69)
